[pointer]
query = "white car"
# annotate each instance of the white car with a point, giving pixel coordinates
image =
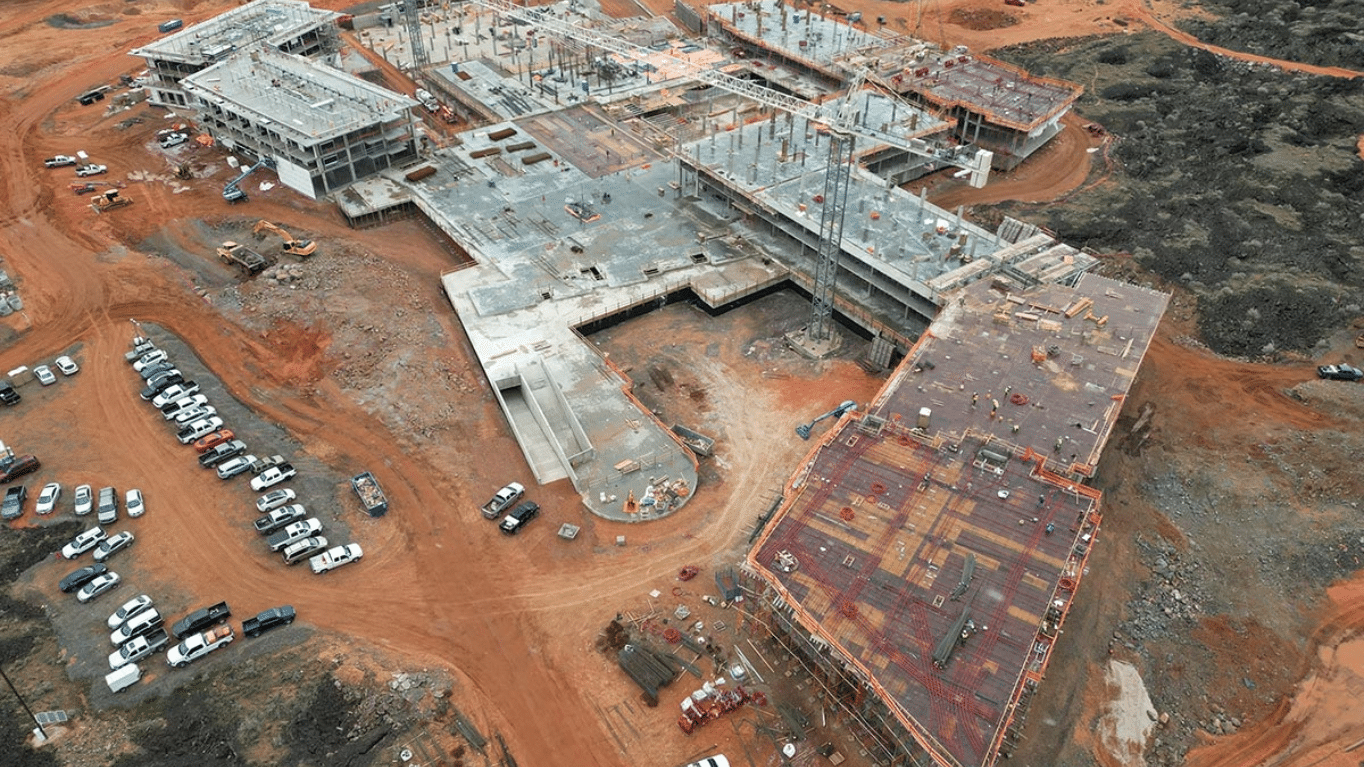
(84, 542)
(178, 391)
(100, 585)
(91, 170)
(47, 499)
(234, 466)
(199, 428)
(112, 545)
(149, 359)
(130, 608)
(181, 405)
(67, 365)
(173, 139)
(334, 558)
(133, 503)
(44, 375)
(274, 499)
(194, 413)
(85, 500)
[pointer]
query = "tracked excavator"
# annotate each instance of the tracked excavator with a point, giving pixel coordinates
(300, 248)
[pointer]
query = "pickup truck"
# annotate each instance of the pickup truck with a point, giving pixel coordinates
(334, 558)
(13, 506)
(275, 616)
(219, 453)
(199, 645)
(24, 464)
(1340, 372)
(295, 532)
(279, 518)
(503, 500)
(272, 476)
(201, 619)
(261, 464)
(137, 648)
(60, 161)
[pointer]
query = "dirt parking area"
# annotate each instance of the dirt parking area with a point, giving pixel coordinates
(1228, 567)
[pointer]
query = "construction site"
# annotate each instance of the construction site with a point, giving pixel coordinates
(630, 258)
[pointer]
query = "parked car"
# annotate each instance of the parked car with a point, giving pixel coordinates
(130, 608)
(197, 429)
(178, 391)
(719, 760)
(1340, 372)
(133, 502)
(138, 648)
(294, 532)
(91, 170)
(83, 542)
(513, 522)
(24, 464)
(234, 466)
(191, 414)
(268, 619)
(305, 549)
(138, 624)
(100, 585)
(44, 375)
(8, 394)
(112, 545)
(198, 646)
(85, 500)
(155, 369)
(107, 509)
(189, 401)
(150, 358)
(47, 499)
(216, 455)
(67, 365)
(173, 139)
(272, 476)
(60, 161)
(194, 403)
(201, 619)
(279, 518)
(13, 505)
(334, 558)
(77, 578)
(160, 382)
(274, 499)
(503, 500)
(213, 439)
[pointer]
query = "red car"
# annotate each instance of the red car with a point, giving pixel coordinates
(212, 440)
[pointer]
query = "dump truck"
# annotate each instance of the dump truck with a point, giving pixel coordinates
(109, 201)
(245, 259)
(371, 495)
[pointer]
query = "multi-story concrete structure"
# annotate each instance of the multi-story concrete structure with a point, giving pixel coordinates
(290, 26)
(320, 127)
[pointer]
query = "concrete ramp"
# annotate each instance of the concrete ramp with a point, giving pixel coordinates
(544, 463)
(542, 421)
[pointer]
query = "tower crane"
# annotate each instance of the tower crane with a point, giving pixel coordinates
(841, 121)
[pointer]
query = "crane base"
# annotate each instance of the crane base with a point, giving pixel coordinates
(814, 348)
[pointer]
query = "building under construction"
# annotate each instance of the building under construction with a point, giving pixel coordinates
(288, 26)
(320, 128)
(990, 104)
(927, 550)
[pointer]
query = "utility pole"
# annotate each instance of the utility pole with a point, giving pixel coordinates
(12, 688)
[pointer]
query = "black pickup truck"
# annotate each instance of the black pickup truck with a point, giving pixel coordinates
(201, 619)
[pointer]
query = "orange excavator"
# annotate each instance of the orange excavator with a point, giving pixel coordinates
(300, 248)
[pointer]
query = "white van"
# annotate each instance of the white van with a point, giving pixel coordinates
(123, 678)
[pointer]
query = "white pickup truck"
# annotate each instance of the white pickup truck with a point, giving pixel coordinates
(199, 645)
(272, 476)
(503, 500)
(334, 558)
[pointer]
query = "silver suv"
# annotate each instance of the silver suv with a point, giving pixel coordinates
(108, 506)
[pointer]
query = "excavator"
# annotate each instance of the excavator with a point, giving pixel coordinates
(300, 248)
